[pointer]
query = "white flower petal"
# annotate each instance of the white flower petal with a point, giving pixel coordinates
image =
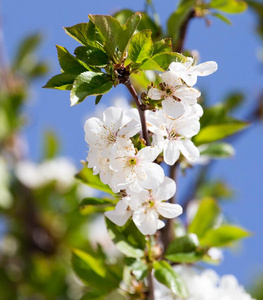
(189, 150)
(120, 214)
(170, 79)
(173, 108)
(205, 68)
(171, 153)
(154, 176)
(112, 117)
(148, 153)
(166, 190)
(155, 94)
(92, 128)
(187, 95)
(146, 222)
(169, 210)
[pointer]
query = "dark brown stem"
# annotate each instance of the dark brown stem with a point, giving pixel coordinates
(139, 105)
(167, 233)
(150, 286)
(182, 32)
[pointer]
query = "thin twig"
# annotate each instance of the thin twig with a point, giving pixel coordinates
(136, 99)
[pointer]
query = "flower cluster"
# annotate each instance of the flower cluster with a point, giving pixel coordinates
(206, 285)
(133, 171)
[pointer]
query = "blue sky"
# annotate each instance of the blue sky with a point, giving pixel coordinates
(234, 48)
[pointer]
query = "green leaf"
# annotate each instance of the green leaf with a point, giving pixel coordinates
(146, 22)
(86, 34)
(184, 249)
(141, 46)
(137, 267)
(217, 190)
(89, 83)
(150, 64)
(91, 205)
(229, 6)
(92, 56)
(94, 272)
(218, 150)
(205, 218)
(26, 49)
(62, 81)
(69, 63)
(223, 236)
(165, 274)
(176, 20)
(86, 176)
(222, 18)
(51, 145)
(233, 101)
(128, 239)
(219, 131)
(98, 98)
(115, 36)
(164, 45)
(164, 59)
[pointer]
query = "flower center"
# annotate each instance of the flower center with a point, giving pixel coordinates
(173, 134)
(132, 161)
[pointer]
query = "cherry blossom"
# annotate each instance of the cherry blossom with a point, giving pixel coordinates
(173, 136)
(148, 205)
(188, 72)
(136, 170)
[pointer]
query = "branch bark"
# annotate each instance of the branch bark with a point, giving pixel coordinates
(136, 99)
(182, 32)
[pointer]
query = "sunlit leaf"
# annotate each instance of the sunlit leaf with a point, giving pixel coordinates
(184, 249)
(91, 205)
(86, 176)
(229, 6)
(217, 150)
(93, 271)
(51, 145)
(89, 83)
(223, 236)
(62, 81)
(222, 18)
(219, 131)
(69, 63)
(166, 275)
(141, 46)
(205, 218)
(128, 239)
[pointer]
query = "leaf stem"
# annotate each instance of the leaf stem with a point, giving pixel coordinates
(138, 103)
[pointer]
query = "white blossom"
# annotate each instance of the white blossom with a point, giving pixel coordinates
(174, 94)
(173, 136)
(148, 205)
(111, 132)
(206, 285)
(189, 72)
(136, 170)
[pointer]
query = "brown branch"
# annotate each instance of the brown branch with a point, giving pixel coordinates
(150, 293)
(139, 105)
(182, 32)
(167, 233)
